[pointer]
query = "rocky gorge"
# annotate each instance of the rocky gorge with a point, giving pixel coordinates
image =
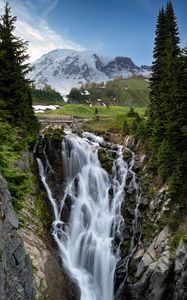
(152, 263)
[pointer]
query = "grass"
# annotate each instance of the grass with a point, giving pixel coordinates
(85, 111)
(134, 89)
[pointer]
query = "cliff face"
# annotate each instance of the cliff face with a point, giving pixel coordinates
(157, 269)
(30, 268)
(15, 265)
(49, 279)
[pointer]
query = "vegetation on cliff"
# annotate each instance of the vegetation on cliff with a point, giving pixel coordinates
(18, 124)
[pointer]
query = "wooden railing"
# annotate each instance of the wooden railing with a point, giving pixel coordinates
(56, 119)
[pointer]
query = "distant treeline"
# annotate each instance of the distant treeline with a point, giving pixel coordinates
(47, 95)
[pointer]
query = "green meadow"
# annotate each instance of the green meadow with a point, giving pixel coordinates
(85, 111)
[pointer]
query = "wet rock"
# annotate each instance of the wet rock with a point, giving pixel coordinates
(102, 143)
(129, 176)
(114, 147)
(105, 160)
(130, 142)
(66, 211)
(111, 192)
(127, 155)
(112, 154)
(129, 190)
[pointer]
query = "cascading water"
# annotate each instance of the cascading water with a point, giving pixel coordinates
(86, 241)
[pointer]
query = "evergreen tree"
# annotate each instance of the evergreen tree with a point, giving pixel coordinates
(14, 86)
(168, 103)
(155, 111)
(165, 76)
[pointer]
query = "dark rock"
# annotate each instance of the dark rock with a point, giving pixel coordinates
(130, 142)
(114, 147)
(105, 160)
(66, 211)
(103, 144)
(127, 155)
(15, 265)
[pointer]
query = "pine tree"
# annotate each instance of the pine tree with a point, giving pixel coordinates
(14, 86)
(168, 104)
(155, 110)
(165, 76)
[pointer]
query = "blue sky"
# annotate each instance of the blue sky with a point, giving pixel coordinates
(111, 27)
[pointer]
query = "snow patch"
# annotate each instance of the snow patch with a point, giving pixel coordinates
(42, 108)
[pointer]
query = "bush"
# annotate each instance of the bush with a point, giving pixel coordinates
(132, 114)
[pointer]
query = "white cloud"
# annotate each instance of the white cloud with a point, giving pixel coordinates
(40, 36)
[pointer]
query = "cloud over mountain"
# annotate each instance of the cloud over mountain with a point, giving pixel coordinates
(32, 26)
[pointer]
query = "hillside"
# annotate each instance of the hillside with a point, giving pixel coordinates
(122, 91)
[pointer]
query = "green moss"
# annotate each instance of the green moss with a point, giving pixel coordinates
(55, 133)
(148, 231)
(41, 210)
(147, 186)
(105, 160)
(34, 270)
(126, 155)
(181, 234)
(125, 247)
(22, 221)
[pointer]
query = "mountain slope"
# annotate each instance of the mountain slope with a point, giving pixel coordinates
(64, 69)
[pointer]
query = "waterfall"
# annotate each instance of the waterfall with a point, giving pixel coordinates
(87, 240)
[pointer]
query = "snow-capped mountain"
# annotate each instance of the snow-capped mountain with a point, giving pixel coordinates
(64, 69)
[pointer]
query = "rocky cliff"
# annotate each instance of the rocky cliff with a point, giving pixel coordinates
(15, 265)
(49, 280)
(157, 269)
(28, 255)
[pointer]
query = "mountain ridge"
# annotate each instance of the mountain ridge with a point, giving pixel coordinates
(64, 69)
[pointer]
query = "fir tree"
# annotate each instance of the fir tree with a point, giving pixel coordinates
(168, 103)
(155, 111)
(14, 86)
(165, 75)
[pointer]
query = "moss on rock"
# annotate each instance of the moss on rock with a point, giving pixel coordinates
(105, 160)
(126, 155)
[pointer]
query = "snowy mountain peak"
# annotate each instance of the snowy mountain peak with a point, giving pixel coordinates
(64, 69)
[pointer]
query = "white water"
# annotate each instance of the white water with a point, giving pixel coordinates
(85, 242)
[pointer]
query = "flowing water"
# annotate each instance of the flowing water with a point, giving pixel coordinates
(86, 241)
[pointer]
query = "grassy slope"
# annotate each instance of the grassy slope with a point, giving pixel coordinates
(85, 111)
(135, 89)
(107, 119)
